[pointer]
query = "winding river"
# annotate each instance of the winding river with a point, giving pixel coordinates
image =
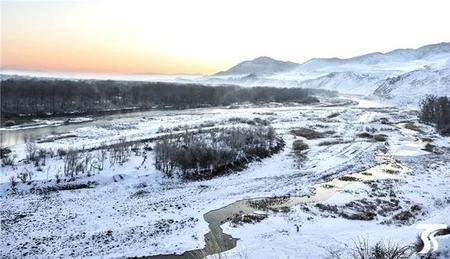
(216, 241)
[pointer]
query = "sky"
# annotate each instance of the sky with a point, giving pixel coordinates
(207, 36)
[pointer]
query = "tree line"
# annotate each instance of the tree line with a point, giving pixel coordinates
(52, 97)
(436, 110)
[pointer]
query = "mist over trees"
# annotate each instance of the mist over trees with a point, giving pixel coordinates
(46, 97)
(436, 110)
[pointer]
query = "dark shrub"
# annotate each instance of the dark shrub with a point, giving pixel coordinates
(404, 215)
(209, 154)
(299, 146)
(376, 137)
(365, 135)
(412, 126)
(436, 110)
(4, 152)
(307, 133)
(379, 137)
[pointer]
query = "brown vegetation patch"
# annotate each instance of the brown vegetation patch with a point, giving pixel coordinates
(307, 133)
(333, 142)
(239, 219)
(391, 171)
(347, 178)
(267, 203)
(375, 137)
(412, 126)
(64, 187)
(403, 216)
(366, 215)
(299, 146)
(429, 147)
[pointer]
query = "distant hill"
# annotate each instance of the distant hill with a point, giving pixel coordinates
(260, 66)
(403, 76)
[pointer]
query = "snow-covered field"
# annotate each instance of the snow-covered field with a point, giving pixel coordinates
(134, 210)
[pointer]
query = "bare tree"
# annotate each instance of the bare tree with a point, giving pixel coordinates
(205, 154)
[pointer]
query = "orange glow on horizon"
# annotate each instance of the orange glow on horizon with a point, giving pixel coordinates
(40, 54)
(203, 36)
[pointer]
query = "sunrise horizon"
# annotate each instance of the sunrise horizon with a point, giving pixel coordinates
(67, 71)
(142, 37)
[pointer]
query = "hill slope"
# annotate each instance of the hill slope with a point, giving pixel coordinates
(402, 76)
(259, 66)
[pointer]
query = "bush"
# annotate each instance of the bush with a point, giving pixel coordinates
(209, 154)
(4, 152)
(267, 203)
(365, 135)
(382, 251)
(412, 126)
(13, 182)
(120, 152)
(299, 146)
(31, 152)
(9, 123)
(429, 147)
(61, 152)
(255, 121)
(333, 142)
(379, 137)
(361, 249)
(436, 110)
(376, 137)
(77, 163)
(8, 160)
(307, 133)
(240, 219)
(25, 176)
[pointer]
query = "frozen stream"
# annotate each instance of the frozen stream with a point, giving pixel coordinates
(217, 241)
(133, 210)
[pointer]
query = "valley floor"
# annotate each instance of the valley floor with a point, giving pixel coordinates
(134, 210)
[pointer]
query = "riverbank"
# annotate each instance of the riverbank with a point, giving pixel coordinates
(143, 213)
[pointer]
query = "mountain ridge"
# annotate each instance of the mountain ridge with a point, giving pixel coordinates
(256, 66)
(402, 76)
(262, 65)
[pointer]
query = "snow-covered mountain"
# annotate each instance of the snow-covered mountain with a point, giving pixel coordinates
(259, 66)
(408, 88)
(402, 76)
(346, 82)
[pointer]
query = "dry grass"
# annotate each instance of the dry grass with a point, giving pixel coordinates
(239, 219)
(361, 249)
(267, 203)
(376, 137)
(299, 146)
(347, 178)
(333, 142)
(412, 126)
(429, 147)
(306, 133)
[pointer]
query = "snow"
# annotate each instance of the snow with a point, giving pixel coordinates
(407, 89)
(134, 210)
(259, 66)
(137, 211)
(402, 76)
